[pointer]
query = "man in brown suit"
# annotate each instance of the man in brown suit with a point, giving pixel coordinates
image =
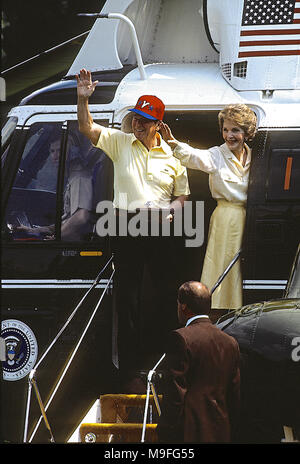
(202, 381)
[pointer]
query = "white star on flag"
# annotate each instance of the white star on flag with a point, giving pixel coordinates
(270, 28)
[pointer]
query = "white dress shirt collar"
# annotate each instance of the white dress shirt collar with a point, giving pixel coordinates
(191, 319)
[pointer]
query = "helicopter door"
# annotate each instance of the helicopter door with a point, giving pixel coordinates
(273, 214)
(51, 205)
(50, 259)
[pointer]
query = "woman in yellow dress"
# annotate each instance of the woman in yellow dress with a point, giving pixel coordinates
(228, 168)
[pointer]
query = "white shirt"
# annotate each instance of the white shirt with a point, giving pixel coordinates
(228, 178)
(191, 319)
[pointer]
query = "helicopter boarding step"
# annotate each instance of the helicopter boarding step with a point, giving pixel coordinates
(122, 420)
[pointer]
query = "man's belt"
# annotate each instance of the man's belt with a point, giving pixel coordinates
(152, 214)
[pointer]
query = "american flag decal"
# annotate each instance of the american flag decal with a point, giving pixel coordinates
(270, 28)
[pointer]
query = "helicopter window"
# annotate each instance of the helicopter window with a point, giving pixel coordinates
(284, 174)
(32, 202)
(8, 130)
(86, 177)
(51, 164)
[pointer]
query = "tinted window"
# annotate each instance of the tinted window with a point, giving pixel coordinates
(85, 182)
(7, 130)
(32, 200)
(60, 179)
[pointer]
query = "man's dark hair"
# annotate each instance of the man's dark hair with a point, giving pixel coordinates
(196, 297)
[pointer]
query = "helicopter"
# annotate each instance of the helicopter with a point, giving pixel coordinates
(197, 59)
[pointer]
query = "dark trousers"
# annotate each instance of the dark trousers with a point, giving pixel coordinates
(147, 277)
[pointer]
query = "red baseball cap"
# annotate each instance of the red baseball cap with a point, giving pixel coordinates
(150, 107)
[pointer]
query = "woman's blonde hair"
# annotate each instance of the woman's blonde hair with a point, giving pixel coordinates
(242, 116)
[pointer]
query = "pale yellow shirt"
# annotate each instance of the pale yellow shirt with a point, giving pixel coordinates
(142, 178)
(228, 178)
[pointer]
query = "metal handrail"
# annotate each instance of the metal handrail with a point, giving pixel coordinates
(224, 274)
(32, 374)
(151, 372)
(151, 386)
(133, 34)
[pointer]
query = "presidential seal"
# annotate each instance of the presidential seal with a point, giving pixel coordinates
(21, 349)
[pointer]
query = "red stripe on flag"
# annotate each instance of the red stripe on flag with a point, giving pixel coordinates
(253, 43)
(270, 32)
(269, 53)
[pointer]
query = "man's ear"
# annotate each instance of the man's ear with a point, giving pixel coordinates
(184, 308)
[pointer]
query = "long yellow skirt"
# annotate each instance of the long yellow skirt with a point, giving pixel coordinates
(224, 241)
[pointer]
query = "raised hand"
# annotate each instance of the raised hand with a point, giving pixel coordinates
(85, 85)
(167, 134)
